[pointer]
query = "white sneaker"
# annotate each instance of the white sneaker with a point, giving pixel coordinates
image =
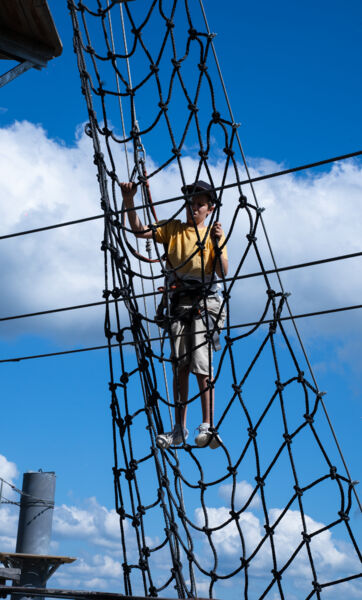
(216, 441)
(172, 438)
(204, 435)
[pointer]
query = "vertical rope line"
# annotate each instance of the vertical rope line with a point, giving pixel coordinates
(119, 93)
(273, 257)
(143, 202)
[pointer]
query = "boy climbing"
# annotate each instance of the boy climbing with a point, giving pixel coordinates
(195, 305)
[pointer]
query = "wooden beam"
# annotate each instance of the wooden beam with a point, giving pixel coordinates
(76, 594)
(8, 573)
(29, 26)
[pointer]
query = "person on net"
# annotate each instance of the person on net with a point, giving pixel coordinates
(195, 304)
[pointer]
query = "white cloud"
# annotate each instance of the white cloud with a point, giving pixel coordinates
(331, 557)
(93, 522)
(243, 491)
(307, 217)
(8, 469)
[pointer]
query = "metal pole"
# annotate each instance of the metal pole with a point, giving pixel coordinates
(35, 525)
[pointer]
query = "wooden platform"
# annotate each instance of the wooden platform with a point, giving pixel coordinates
(28, 32)
(18, 556)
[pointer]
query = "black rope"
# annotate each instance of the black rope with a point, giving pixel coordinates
(177, 198)
(226, 279)
(170, 70)
(156, 339)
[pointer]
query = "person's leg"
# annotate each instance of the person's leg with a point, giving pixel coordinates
(207, 399)
(180, 394)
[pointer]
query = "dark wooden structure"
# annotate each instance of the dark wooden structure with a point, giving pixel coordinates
(27, 35)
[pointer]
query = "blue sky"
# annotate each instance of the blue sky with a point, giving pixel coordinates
(292, 74)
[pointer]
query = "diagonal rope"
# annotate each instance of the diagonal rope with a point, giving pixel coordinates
(274, 260)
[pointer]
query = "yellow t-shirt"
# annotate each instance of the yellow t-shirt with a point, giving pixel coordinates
(180, 240)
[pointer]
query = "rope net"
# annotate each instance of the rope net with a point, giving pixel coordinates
(192, 519)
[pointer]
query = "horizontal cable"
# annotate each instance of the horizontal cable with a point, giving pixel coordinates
(227, 279)
(156, 339)
(174, 199)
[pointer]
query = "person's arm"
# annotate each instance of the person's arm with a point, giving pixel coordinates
(140, 230)
(216, 235)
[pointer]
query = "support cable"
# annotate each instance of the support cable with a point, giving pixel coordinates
(316, 313)
(178, 198)
(157, 293)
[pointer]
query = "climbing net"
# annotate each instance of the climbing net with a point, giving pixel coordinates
(192, 519)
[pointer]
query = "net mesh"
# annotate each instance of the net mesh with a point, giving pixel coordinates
(254, 518)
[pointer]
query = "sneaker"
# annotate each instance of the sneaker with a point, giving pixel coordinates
(204, 435)
(216, 441)
(172, 438)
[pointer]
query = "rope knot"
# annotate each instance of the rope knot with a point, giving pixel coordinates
(154, 68)
(232, 470)
(251, 237)
(309, 418)
(260, 481)
(128, 420)
(238, 390)
(193, 108)
(317, 586)
(192, 33)
(124, 378)
(276, 574)
(116, 292)
(121, 512)
(288, 438)
(234, 515)
(216, 117)
(306, 538)
(269, 530)
(343, 516)
(279, 385)
(153, 398)
(228, 341)
(170, 24)
(203, 67)
(176, 151)
(163, 106)
(176, 63)
(300, 377)
(333, 472)
(164, 481)
(108, 333)
(228, 151)
(272, 327)
(298, 491)
(243, 201)
(120, 337)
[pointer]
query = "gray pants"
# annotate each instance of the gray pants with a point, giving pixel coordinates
(189, 333)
